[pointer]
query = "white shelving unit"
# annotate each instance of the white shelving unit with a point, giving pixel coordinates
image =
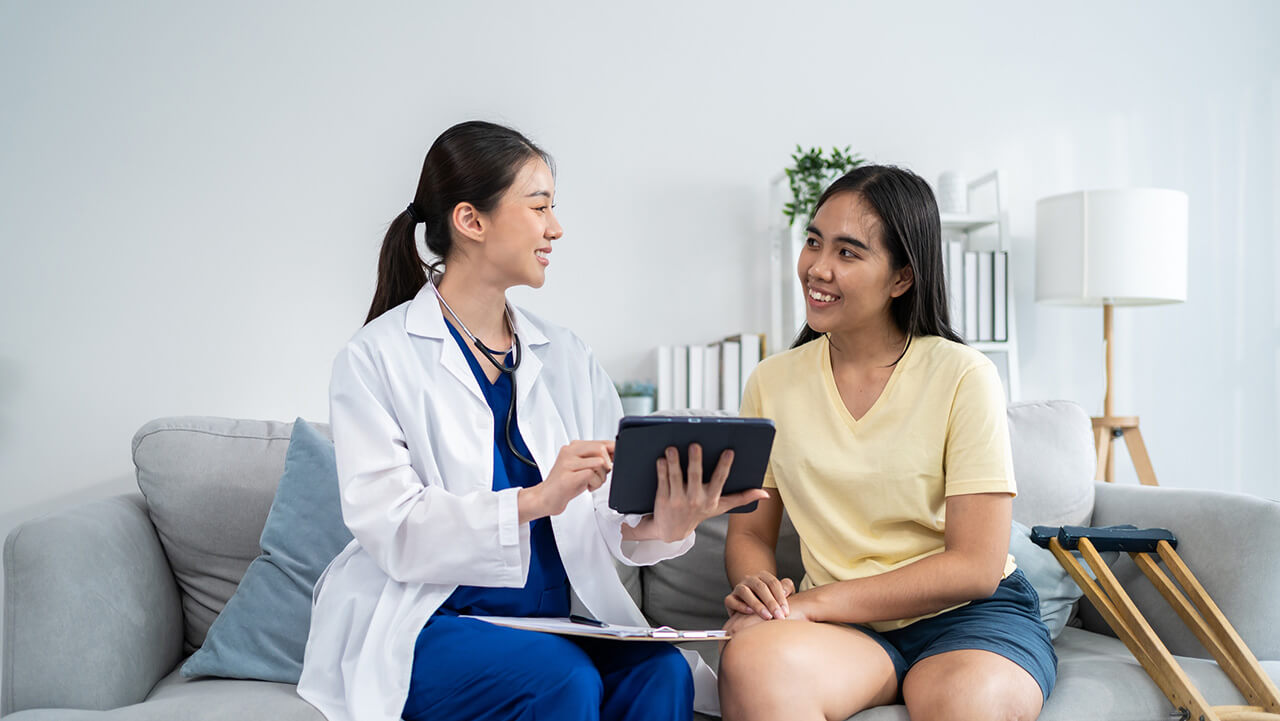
(786, 300)
(1003, 353)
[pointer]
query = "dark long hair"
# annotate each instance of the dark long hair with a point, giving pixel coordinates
(472, 162)
(913, 234)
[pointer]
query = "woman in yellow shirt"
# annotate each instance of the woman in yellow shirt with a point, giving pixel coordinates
(892, 459)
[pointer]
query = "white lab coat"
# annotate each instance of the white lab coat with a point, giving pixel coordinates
(414, 435)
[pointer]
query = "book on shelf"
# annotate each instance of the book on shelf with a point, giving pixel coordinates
(697, 374)
(679, 377)
(1000, 275)
(751, 351)
(955, 284)
(730, 368)
(664, 382)
(970, 295)
(711, 376)
(986, 296)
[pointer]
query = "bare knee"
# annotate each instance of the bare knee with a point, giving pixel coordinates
(753, 675)
(955, 693)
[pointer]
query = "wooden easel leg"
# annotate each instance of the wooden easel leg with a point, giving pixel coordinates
(1138, 452)
(1111, 459)
(1102, 439)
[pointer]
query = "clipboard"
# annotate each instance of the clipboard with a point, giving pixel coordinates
(590, 628)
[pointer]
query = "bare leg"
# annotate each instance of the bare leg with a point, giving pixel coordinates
(804, 671)
(971, 684)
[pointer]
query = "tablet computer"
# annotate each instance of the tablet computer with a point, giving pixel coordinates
(642, 440)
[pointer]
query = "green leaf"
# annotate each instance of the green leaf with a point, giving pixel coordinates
(811, 172)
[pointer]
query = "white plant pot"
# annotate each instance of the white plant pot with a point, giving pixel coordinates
(637, 405)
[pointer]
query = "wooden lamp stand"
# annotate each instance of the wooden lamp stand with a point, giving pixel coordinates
(1110, 427)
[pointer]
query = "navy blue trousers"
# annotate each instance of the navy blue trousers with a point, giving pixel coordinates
(469, 670)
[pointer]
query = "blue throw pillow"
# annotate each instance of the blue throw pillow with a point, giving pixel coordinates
(263, 630)
(1058, 592)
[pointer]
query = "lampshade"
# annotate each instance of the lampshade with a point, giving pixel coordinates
(1124, 247)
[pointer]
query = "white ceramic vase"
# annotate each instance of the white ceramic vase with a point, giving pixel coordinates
(953, 193)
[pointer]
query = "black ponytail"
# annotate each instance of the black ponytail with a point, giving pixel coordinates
(913, 236)
(401, 271)
(473, 162)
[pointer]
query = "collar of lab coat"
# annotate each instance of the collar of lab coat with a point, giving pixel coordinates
(425, 318)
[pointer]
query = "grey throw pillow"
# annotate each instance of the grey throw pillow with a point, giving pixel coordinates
(262, 631)
(1058, 592)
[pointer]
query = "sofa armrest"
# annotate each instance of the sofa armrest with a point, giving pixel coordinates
(1230, 541)
(91, 615)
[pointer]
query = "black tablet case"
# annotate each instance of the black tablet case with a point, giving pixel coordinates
(642, 440)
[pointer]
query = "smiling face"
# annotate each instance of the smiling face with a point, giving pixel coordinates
(519, 230)
(846, 270)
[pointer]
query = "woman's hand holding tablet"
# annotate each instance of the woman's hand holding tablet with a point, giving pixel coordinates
(682, 503)
(651, 477)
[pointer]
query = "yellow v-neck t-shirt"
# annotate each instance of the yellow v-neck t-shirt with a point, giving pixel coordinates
(869, 495)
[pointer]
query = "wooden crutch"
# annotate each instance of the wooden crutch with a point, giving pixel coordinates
(1200, 613)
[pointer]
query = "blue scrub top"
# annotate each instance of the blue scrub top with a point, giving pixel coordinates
(546, 592)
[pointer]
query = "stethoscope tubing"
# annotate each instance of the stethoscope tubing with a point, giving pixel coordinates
(493, 356)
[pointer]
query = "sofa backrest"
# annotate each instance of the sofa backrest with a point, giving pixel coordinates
(1053, 463)
(209, 483)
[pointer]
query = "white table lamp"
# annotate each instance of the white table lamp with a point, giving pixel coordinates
(1108, 248)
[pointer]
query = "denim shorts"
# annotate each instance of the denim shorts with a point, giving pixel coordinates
(1006, 623)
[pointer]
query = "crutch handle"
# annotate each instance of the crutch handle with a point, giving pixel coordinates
(1108, 538)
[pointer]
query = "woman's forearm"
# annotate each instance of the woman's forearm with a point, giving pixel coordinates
(746, 554)
(926, 586)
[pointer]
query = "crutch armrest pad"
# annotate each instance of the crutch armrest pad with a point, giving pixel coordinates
(1126, 538)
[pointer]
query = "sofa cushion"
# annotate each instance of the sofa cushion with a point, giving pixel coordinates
(219, 699)
(1099, 679)
(209, 483)
(1053, 463)
(1057, 591)
(262, 631)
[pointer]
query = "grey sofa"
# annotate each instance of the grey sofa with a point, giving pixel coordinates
(103, 601)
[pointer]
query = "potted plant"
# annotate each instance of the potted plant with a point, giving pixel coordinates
(638, 398)
(810, 173)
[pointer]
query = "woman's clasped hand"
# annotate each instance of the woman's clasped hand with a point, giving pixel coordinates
(760, 594)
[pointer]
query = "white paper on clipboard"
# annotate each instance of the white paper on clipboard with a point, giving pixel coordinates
(568, 627)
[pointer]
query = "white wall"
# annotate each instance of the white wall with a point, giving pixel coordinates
(192, 197)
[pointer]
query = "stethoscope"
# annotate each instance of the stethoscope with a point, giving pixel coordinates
(498, 360)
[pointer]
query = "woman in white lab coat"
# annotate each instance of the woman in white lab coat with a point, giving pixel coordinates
(475, 480)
